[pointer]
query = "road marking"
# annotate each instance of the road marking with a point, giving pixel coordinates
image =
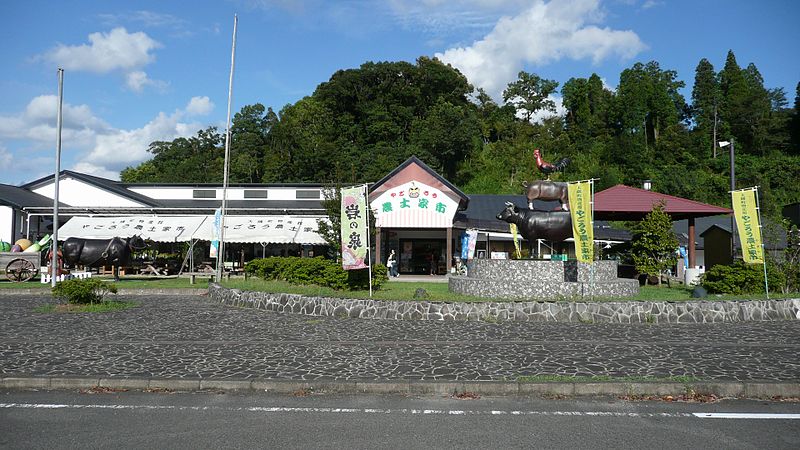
(747, 416)
(457, 412)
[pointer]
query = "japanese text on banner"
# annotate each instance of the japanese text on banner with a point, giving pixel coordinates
(747, 223)
(580, 198)
(354, 228)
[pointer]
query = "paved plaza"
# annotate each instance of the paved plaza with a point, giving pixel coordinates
(190, 337)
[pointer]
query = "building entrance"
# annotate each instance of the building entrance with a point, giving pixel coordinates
(422, 256)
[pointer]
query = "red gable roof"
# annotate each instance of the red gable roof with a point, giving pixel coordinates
(630, 203)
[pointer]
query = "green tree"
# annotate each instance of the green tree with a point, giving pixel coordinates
(654, 244)
(196, 159)
(794, 125)
(530, 93)
(705, 99)
(249, 129)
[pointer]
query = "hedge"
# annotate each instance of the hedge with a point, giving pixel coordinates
(740, 278)
(318, 271)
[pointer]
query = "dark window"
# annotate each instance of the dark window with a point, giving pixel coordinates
(307, 194)
(204, 193)
(252, 193)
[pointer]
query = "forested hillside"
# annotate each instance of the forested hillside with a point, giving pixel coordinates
(363, 122)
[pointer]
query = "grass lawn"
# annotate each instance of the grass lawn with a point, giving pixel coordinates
(396, 290)
(391, 290)
(126, 282)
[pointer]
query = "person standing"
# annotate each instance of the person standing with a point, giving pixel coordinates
(391, 262)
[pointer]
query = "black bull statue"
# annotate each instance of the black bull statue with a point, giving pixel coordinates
(101, 252)
(553, 226)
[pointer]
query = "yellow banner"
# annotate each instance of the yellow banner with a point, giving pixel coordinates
(515, 237)
(580, 197)
(744, 209)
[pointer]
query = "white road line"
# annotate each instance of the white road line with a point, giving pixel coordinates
(747, 416)
(457, 412)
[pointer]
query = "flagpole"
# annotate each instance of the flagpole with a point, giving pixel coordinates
(54, 245)
(221, 252)
(763, 252)
(591, 221)
(369, 244)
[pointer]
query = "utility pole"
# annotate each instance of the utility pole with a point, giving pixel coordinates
(54, 240)
(714, 142)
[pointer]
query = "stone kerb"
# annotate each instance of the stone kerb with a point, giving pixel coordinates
(529, 311)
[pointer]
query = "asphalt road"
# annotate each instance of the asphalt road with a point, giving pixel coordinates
(61, 419)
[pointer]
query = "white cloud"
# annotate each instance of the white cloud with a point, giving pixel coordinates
(199, 106)
(541, 34)
(115, 51)
(92, 145)
(137, 80)
(37, 124)
(5, 159)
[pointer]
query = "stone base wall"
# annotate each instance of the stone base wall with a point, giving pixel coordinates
(539, 279)
(530, 311)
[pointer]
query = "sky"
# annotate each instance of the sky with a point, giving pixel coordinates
(142, 71)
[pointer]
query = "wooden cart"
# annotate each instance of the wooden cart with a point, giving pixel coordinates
(20, 266)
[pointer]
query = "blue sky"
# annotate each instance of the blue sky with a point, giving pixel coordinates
(139, 71)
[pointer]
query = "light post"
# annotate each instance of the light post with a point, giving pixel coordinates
(723, 144)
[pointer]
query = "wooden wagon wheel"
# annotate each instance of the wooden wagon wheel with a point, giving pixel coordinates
(20, 270)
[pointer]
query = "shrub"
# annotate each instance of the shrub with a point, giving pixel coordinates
(318, 271)
(83, 290)
(740, 278)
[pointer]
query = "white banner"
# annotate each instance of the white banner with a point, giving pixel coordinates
(154, 228)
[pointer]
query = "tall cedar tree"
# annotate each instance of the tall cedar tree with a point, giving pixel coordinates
(705, 98)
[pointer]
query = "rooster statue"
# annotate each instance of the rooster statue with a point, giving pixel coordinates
(547, 168)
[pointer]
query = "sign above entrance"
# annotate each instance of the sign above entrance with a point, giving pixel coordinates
(414, 205)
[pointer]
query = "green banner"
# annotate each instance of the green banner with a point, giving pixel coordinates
(580, 208)
(355, 237)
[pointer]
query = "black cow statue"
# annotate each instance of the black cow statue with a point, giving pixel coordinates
(553, 226)
(101, 252)
(547, 190)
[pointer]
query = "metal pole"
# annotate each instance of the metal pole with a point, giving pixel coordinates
(591, 221)
(369, 250)
(763, 251)
(714, 142)
(54, 244)
(733, 188)
(221, 254)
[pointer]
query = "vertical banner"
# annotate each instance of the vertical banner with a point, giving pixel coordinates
(515, 237)
(747, 223)
(215, 233)
(580, 206)
(469, 238)
(355, 239)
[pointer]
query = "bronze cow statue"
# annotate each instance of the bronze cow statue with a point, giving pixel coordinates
(553, 226)
(100, 252)
(547, 190)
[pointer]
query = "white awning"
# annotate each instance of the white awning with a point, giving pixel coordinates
(155, 228)
(267, 229)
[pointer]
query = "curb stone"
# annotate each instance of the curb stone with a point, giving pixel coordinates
(722, 389)
(134, 292)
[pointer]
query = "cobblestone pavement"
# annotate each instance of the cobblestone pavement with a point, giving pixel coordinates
(190, 337)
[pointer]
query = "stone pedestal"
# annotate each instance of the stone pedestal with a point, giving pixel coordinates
(542, 279)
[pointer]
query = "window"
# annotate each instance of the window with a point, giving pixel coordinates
(307, 194)
(204, 193)
(253, 193)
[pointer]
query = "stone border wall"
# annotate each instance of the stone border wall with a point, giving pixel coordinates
(530, 279)
(529, 311)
